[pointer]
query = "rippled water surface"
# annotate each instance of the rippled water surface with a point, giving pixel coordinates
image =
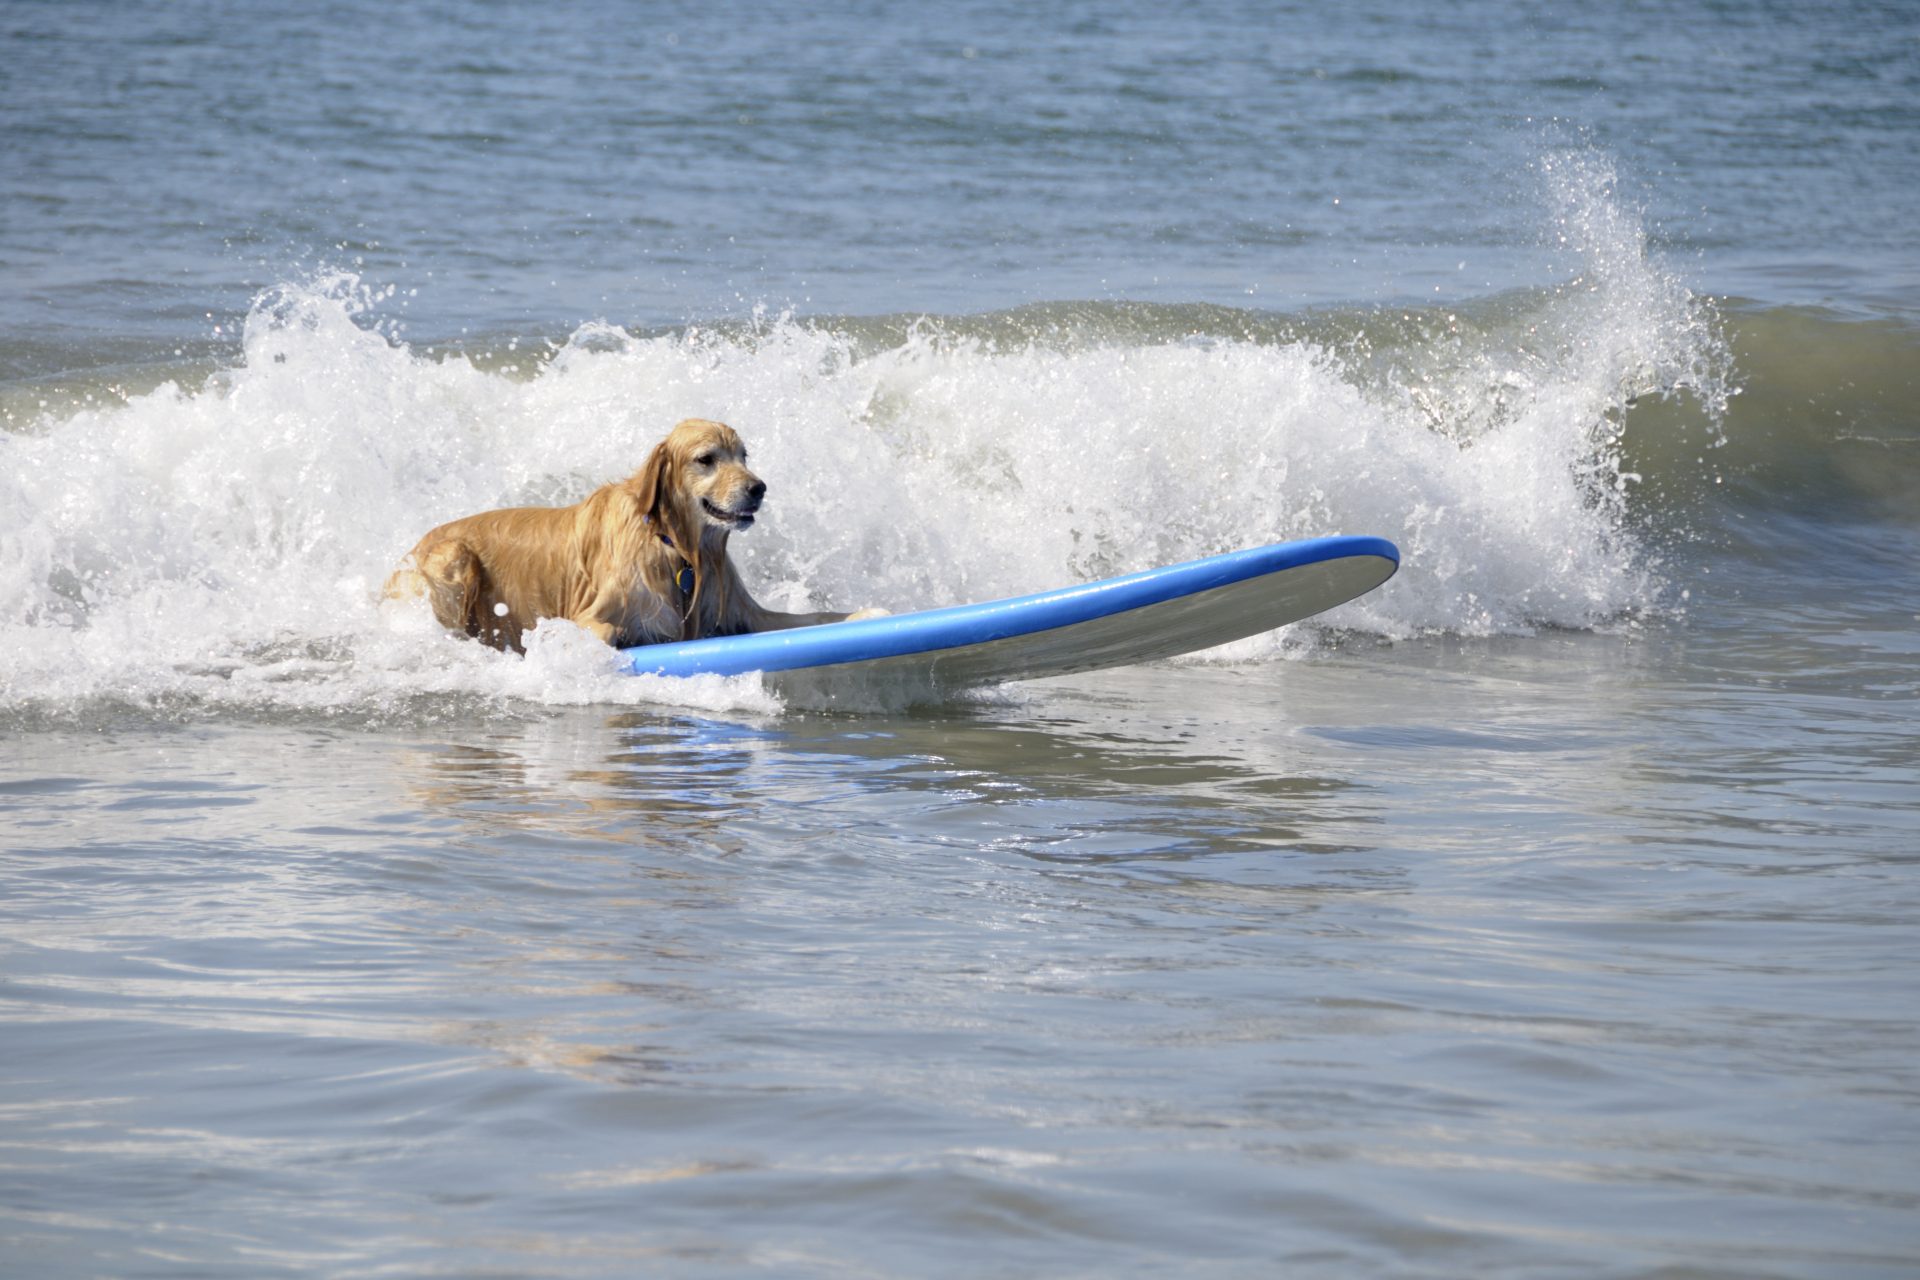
(1582, 954)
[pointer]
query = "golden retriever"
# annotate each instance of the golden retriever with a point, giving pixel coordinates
(636, 562)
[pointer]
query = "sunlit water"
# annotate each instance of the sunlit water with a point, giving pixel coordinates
(1548, 912)
(1576, 954)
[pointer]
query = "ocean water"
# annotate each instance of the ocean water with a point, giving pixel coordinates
(1550, 911)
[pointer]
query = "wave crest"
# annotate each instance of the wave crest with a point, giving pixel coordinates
(196, 540)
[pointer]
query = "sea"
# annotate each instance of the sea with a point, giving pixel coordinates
(1551, 911)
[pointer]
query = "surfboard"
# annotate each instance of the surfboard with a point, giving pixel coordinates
(1139, 617)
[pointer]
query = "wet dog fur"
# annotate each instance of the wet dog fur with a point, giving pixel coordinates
(638, 561)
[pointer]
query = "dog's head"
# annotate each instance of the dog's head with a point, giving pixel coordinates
(696, 483)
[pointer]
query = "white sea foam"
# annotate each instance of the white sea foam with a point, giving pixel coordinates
(222, 544)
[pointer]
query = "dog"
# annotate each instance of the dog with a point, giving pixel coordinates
(639, 561)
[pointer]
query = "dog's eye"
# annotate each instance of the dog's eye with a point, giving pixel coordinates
(705, 459)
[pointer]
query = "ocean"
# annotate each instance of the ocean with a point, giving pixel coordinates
(1550, 911)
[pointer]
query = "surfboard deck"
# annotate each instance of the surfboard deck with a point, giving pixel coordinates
(1139, 617)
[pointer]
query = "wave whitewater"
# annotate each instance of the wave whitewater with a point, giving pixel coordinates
(217, 541)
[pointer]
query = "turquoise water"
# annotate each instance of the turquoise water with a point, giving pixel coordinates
(1547, 912)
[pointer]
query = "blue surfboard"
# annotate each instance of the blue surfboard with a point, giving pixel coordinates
(1136, 618)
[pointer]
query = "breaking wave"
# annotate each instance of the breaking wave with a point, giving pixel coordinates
(216, 541)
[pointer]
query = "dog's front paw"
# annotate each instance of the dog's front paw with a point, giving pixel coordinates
(864, 614)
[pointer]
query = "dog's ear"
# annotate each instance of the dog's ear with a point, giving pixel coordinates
(653, 483)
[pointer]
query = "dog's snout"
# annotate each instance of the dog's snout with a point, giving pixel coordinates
(756, 491)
